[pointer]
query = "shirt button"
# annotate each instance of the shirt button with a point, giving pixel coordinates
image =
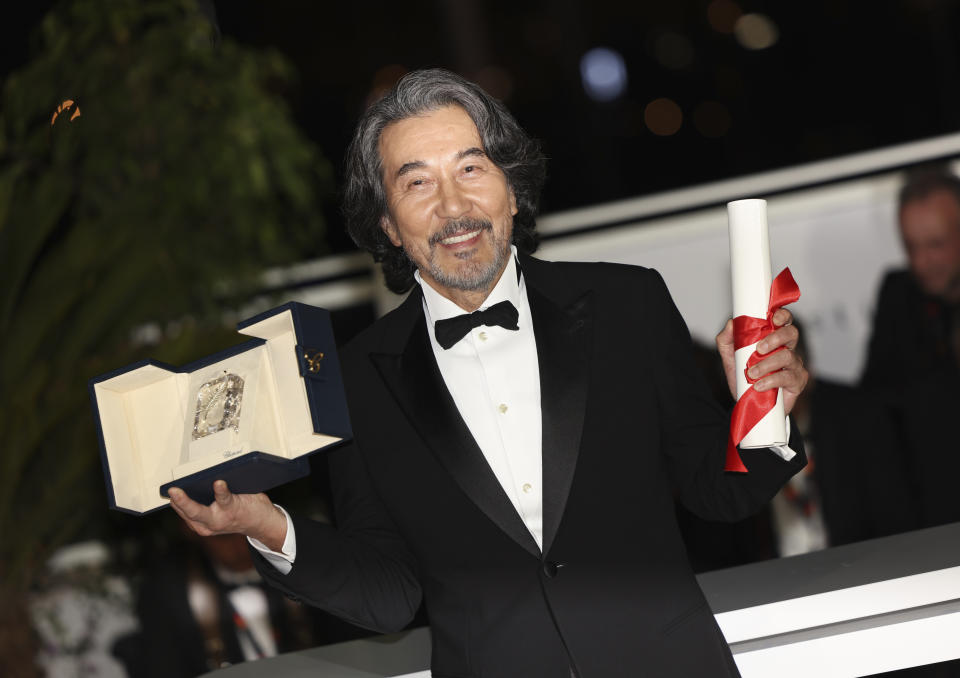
(502, 408)
(527, 487)
(483, 336)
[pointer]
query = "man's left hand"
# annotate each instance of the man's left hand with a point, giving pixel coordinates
(782, 369)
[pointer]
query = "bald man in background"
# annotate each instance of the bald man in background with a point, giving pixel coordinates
(914, 351)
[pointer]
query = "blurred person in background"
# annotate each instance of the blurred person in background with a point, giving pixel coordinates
(914, 350)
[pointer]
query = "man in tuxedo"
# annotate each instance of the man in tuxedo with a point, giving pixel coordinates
(913, 362)
(520, 425)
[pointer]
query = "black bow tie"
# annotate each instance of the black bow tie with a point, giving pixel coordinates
(452, 330)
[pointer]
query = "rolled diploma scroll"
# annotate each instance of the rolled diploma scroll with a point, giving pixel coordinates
(750, 269)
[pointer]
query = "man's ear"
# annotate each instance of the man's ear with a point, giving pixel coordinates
(513, 203)
(386, 223)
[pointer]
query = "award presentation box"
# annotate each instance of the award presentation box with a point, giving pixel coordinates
(249, 415)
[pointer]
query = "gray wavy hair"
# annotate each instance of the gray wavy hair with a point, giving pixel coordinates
(504, 141)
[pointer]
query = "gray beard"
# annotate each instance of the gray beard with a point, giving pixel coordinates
(471, 277)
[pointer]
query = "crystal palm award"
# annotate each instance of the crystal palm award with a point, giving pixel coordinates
(249, 415)
(218, 405)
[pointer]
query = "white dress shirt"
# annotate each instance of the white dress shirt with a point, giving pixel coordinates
(494, 378)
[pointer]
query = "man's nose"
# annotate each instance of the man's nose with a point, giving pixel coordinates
(454, 202)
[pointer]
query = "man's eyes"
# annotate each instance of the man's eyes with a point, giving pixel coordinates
(420, 182)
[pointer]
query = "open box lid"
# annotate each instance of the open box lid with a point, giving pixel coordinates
(249, 414)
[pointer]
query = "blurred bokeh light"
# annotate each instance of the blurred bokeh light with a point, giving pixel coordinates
(663, 117)
(723, 15)
(756, 31)
(604, 74)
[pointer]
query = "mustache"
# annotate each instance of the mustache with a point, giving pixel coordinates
(464, 225)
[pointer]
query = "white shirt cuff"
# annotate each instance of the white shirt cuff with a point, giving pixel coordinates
(784, 451)
(283, 559)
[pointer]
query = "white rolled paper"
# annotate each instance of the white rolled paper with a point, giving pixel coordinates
(750, 270)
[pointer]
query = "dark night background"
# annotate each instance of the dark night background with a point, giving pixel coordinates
(841, 77)
(706, 99)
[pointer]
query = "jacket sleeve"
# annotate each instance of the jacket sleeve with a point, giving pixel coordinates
(361, 571)
(694, 428)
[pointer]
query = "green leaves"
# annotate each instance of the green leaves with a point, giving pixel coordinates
(183, 172)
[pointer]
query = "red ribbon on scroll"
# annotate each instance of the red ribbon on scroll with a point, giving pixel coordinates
(754, 405)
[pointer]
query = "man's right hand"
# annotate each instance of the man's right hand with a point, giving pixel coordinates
(252, 515)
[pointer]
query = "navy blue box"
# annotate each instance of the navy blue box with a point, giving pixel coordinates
(284, 388)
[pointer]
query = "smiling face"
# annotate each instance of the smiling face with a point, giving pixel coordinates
(930, 227)
(448, 205)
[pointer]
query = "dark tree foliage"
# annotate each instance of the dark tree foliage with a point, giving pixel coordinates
(129, 227)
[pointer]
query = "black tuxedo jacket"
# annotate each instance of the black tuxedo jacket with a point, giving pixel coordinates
(912, 369)
(910, 339)
(627, 422)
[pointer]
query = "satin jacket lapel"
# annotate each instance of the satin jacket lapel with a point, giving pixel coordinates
(415, 381)
(563, 355)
